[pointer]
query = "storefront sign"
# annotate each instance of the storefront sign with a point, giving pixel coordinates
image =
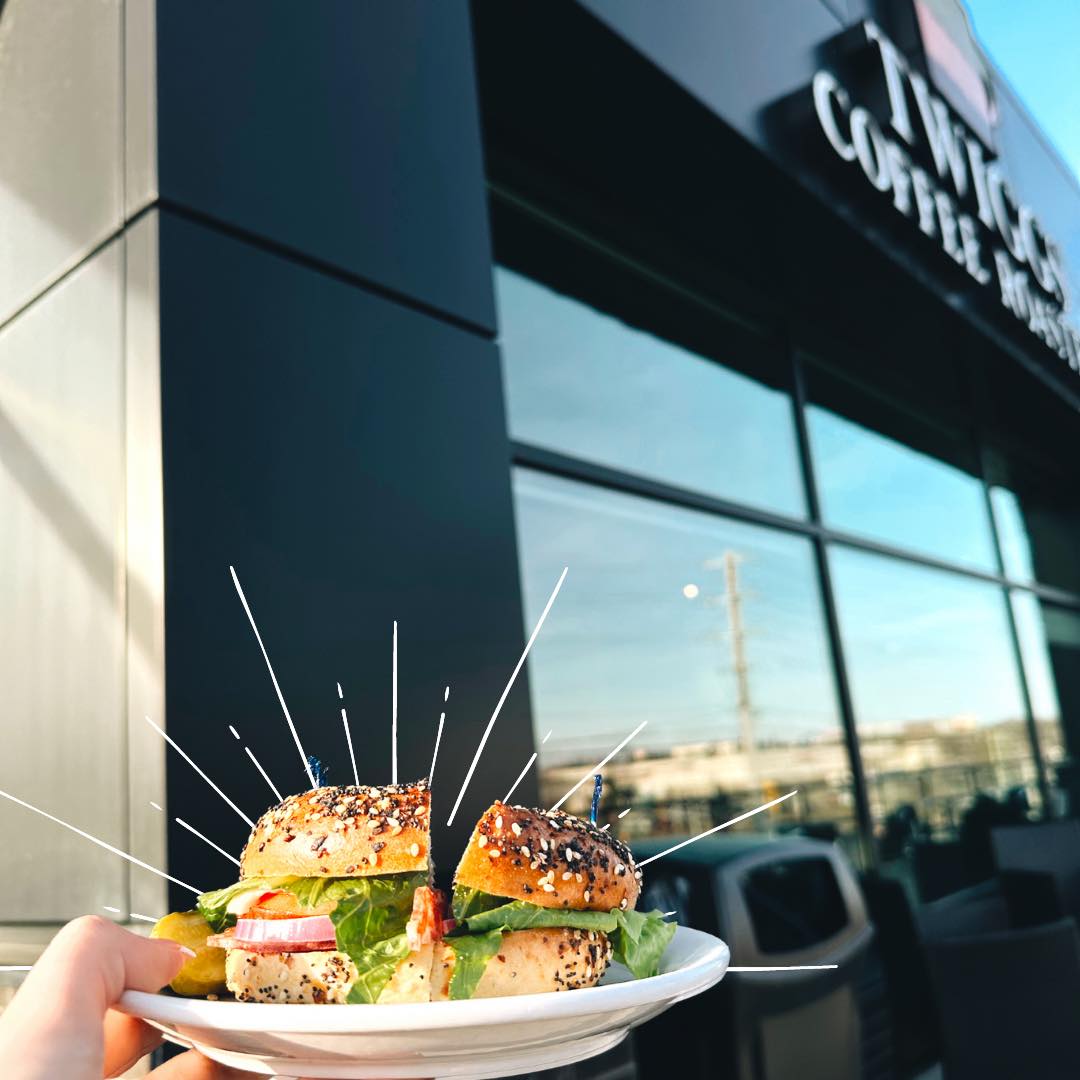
(962, 199)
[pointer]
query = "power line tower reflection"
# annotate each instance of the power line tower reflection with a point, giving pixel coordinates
(728, 563)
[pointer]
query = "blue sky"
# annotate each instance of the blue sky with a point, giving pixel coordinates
(1034, 42)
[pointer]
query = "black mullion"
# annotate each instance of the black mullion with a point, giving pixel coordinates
(552, 461)
(977, 392)
(832, 621)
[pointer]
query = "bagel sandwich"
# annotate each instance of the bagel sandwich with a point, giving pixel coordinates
(543, 901)
(334, 902)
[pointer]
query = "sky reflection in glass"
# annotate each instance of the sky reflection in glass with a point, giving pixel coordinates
(585, 384)
(641, 629)
(871, 485)
(921, 644)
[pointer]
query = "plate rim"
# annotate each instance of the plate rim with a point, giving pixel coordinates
(703, 971)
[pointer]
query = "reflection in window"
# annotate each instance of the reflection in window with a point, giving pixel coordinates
(709, 629)
(585, 384)
(1038, 523)
(874, 486)
(1031, 629)
(1012, 535)
(1050, 643)
(939, 708)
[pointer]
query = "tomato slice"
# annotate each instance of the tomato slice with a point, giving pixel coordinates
(426, 923)
(283, 905)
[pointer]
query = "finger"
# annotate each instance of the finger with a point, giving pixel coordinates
(126, 1041)
(121, 959)
(193, 1066)
(56, 1018)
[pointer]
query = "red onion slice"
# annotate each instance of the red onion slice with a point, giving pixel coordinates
(284, 931)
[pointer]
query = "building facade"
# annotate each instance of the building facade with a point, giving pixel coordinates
(757, 319)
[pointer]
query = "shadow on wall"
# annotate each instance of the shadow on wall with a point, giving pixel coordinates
(71, 524)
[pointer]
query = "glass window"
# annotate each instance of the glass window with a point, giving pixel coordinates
(709, 629)
(1038, 521)
(1050, 643)
(880, 488)
(1032, 630)
(585, 384)
(938, 705)
(1012, 535)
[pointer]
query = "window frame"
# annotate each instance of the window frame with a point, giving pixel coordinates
(777, 337)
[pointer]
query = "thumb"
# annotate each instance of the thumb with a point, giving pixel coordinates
(54, 1024)
(110, 959)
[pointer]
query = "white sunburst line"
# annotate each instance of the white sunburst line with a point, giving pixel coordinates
(792, 967)
(600, 764)
(435, 754)
(393, 718)
(348, 736)
(717, 828)
(273, 677)
(205, 839)
(172, 742)
(263, 774)
(506, 693)
(623, 813)
(131, 914)
(521, 776)
(102, 843)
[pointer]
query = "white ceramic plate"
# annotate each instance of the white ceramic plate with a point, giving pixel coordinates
(477, 1039)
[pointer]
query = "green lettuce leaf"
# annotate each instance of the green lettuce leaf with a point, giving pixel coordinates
(369, 922)
(472, 952)
(369, 919)
(375, 966)
(638, 939)
(467, 902)
(389, 890)
(521, 915)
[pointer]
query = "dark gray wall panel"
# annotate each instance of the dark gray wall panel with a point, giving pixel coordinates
(350, 457)
(738, 59)
(346, 131)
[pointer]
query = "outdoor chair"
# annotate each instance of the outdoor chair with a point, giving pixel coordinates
(1009, 1002)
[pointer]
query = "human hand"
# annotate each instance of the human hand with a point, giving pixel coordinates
(61, 1022)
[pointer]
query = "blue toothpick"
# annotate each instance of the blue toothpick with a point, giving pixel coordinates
(318, 771)
(598, 787)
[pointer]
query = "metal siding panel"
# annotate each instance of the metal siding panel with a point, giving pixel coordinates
(62, 595)
(145, 563)
(140, 105)
(61, 150)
